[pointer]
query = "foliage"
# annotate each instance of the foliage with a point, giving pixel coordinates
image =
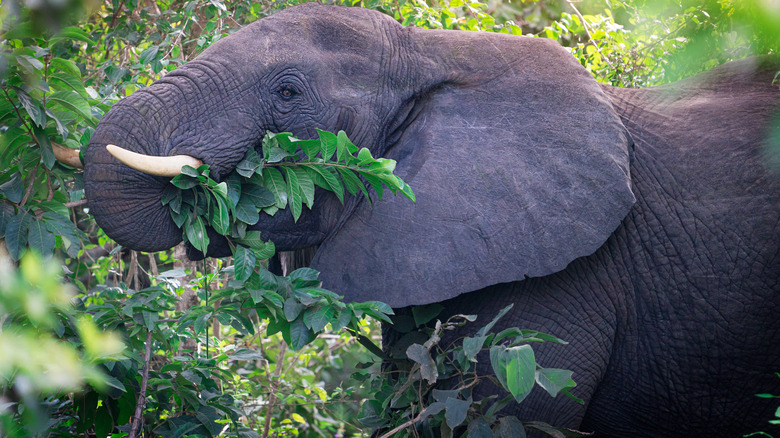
(38, 323)
(208, 367)
(430, 390)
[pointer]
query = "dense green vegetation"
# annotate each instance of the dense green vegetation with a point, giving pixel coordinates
(100, 340)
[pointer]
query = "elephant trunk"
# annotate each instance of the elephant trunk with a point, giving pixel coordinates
(185, 113)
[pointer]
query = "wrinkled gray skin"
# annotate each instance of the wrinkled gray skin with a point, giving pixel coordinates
(640, 225)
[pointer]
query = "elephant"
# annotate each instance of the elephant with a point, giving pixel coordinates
(640, 225)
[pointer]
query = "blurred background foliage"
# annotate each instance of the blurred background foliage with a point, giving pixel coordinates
(81, 318)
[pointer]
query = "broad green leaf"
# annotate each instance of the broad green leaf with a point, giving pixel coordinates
(13, 189)
(365, 156)
(318, 317)
(305, 184)
(273, 180)
(486, 329)
(67, 81)
(260, 196)
(16, 234)
(352, 182)
(304, 277)
(329, 142)
(149, 55)
(73, 102)
(244, 262)
(472, 346)
(424, 314)
(510, 427)
(292, 308)
(300, 335)
(6, 213)
(184, 182)
(309, 147)
(73, 33)
(246, 212)
(455, 411)
(33, 107)
(196, 234)
(219, 216)
(422, 356)
(47, 154)
(252, 239)
(554, 380)
(375, 182)
(331, 181)
(65, 65)
(40, 238)
(295, 200)
(478, 428)
(515, 368)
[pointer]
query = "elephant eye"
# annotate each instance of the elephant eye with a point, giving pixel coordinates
(287, 93)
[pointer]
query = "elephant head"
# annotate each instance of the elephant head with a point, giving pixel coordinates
(519, 161)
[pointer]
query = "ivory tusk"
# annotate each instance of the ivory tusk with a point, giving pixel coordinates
(67, 155)
(159, 166)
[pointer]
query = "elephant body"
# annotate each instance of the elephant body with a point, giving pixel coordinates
(642, 226)
(672, 344)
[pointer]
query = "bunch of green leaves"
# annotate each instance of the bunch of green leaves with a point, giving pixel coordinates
(283, 175)
(43, 105)
(49, 348)
(430, 391)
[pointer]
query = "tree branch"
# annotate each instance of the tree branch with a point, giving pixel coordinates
(141, 402)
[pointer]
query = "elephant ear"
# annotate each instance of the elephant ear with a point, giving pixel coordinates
(519, 167)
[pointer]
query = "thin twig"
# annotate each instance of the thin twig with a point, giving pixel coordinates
(30, 185)
(78, 203)
(274, 384)
(141, 402)
(587, 31)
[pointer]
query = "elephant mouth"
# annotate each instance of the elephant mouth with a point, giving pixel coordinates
(153, 165)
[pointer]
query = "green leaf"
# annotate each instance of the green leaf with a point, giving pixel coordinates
(344, 147)
(196, 234)
(260, 196)
(300, 335)
(305, 184)
(318, 317)
(515, 368)
(472, 346)
(67, 81)
(486, 329)
(554, 380)
(6, 213)
(74, 102)
(219, 218)
(13, 189)
(244, 262)
(292, 308)
(252, 239)
(273, 180)
(33, 107)
(424, 314)
(352, 182)
(103, 421)
(148, 55)
(329, 142)
(455, 411)
(479, 428)
(309, 147)
(16, 234)
(510, 427)
(40, 238)
(293, 189)
(184, 182)
(74, 33)
(331, 181)
(304, 277)
(65, 65)
(422, 356)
